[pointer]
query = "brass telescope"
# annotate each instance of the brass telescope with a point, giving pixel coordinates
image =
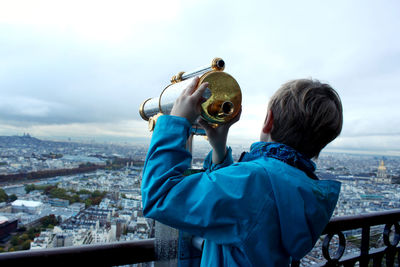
(223, 96)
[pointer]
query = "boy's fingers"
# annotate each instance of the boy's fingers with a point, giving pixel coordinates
(200, 91)
(192, 86)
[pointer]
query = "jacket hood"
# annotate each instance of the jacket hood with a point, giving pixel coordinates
(304, 206)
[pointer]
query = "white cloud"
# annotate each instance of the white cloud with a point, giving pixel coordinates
(88, 65)
(90, 20)
(120, 130)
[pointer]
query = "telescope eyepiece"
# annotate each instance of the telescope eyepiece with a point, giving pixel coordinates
(221, 109)
(220, 64)
(227, 108)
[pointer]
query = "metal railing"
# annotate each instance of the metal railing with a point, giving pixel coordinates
(367, 255)
(108, 254)
(120, 253)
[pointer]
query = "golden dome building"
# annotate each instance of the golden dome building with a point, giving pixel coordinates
(381, 175)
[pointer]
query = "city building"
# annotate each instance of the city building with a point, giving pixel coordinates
(26, 206)
(381, 175)
(7, 226)
(58, 202)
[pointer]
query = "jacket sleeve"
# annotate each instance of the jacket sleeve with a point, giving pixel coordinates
(208, 204)
(209, 165)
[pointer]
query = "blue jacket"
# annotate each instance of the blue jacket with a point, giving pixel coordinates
(257, 212)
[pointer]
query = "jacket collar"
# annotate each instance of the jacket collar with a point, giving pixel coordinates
(283, 153)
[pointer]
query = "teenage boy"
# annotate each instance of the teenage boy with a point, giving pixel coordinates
(263, 210)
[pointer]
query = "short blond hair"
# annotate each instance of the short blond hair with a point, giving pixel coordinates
(307, 115)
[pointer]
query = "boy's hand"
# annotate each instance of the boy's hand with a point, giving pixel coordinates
(217, 137)
(188, 103)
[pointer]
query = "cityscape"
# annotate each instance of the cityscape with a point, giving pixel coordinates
(58, 194)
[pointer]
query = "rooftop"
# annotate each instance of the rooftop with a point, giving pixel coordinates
(26, 203)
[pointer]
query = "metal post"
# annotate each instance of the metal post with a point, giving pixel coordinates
(166, 245)
(364, 261)
(167, 238)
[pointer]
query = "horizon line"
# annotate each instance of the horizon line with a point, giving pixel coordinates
(246, 142)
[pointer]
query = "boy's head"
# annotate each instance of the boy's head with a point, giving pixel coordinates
(306, 115)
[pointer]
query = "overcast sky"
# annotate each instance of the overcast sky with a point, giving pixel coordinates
(80, 69)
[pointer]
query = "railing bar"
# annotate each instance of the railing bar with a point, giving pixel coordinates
(116, 253)
(398, 256)
(364, 255)
(349, 264)
(295, 263)
(358, 221)
(348, 259)
(352, 258)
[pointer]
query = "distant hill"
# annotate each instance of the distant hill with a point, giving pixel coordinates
(28, 140)
(19, 140)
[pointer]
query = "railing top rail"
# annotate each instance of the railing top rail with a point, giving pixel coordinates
(358, 221)
(108, 254)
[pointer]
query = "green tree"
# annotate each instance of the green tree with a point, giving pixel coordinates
(24, 237)
(48, 221)
(76, 198)
(96, 193)
(48, 189)
(96, 200)
(88, 202)
(3, 196)
(26, 245)
(58, 193)
(14, 240)
(31, 233)
(29, 188)
(12, 198)
(84, 192)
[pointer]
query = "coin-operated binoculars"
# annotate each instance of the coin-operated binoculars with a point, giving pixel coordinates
(223, 96)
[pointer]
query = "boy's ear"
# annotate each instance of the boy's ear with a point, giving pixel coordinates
(268, 123)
